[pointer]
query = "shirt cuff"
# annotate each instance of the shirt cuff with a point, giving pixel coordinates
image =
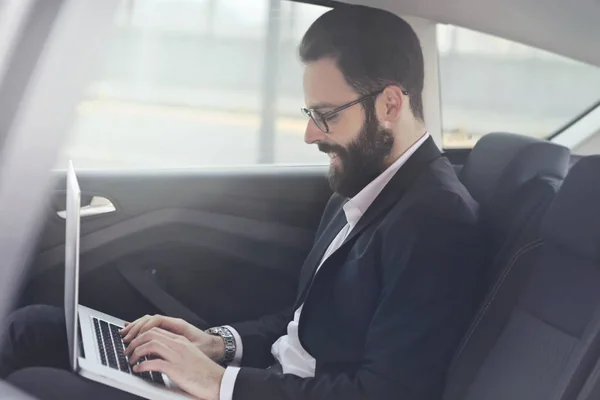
(237, 359)
(228, 383)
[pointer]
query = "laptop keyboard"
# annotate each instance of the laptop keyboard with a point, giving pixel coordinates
(112, 351)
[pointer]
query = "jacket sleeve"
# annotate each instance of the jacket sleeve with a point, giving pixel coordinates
(258, 337)
(430, 279)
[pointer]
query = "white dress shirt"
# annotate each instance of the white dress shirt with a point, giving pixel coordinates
(287, 350)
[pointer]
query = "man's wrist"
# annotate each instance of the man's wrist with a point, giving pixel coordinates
(218, 348)
(224, 345)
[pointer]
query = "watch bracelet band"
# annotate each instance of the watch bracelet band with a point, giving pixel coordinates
(228, 340)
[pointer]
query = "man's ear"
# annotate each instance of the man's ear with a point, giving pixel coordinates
(390, 102)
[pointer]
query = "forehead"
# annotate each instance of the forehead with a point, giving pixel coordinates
(324, 85)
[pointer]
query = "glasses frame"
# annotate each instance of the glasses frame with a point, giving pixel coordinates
(321, 118)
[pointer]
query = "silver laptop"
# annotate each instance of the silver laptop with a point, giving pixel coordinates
(95, 345)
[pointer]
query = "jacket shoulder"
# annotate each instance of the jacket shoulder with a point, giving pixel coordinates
(439, 195)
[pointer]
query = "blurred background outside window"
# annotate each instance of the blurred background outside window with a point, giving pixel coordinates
(218, 82)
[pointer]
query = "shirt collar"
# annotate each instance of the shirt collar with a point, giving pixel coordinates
(358, 205)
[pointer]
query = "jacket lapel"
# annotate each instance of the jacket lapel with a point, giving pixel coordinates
(318, 251)
(389, 196)
(397, 186)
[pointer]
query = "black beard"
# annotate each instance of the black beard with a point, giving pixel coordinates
(362, 160)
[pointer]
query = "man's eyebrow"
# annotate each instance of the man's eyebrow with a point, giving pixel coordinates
(321, 105)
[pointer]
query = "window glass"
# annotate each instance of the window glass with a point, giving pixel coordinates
(215, 82)
(491, 84)
(190, 82)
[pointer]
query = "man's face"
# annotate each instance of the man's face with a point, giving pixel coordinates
(356, 143)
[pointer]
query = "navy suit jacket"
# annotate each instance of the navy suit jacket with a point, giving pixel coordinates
(386, 311)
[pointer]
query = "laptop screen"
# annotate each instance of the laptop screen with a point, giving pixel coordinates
(72, 263)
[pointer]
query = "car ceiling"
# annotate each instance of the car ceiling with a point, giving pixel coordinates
(568, 28)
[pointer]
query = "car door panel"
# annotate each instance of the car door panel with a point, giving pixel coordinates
(225, 243)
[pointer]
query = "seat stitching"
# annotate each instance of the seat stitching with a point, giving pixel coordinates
(492, 295)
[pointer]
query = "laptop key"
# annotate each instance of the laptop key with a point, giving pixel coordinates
(110, 348)
(111, 341)
(100, 343)
(146, 375)
(157, 377)
(151, 376)
(123, 362)
(119, 348)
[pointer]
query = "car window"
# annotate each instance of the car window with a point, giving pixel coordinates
(219, 82)
(492, 84)
(198, 82)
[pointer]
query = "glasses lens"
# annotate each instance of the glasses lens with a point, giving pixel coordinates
(316, 118)
(319, 122)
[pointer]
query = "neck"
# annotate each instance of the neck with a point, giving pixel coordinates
(405, 137)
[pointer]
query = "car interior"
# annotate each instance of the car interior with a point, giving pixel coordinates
(226, 243)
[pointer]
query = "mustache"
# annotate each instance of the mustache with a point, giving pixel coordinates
(331, 148)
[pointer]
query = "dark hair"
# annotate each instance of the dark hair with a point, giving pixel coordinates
(373, 48)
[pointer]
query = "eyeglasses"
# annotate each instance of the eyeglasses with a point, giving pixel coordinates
(320, 119)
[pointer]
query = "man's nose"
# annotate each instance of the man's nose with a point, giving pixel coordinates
(312, 133)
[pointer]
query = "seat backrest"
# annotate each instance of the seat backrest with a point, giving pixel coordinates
(538, 336)
(513, 178)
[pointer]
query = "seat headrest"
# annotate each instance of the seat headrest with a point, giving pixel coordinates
(573, 219)
(501, 162)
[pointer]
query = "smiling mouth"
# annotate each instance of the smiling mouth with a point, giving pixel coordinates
(333, 158)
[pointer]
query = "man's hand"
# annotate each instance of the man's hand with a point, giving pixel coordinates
(212, 346)
(180, 360)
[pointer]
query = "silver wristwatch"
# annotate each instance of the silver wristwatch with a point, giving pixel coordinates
(229, 341)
